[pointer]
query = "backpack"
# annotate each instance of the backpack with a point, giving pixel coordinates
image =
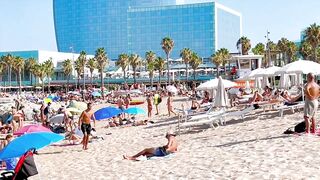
(160, 99)
(301, 127)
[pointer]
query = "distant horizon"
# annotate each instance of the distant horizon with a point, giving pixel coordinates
(31, 25)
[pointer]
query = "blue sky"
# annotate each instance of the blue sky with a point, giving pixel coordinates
(28, 24)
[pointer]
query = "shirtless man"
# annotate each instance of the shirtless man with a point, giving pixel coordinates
(84, 123)
(311, 91)
(170, 147)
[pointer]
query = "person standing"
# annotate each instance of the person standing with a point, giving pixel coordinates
(149, 105)
(170, 104)
(311, 91)
(156, 101)
(85, 124)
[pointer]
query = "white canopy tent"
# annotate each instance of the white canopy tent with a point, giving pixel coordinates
(213, 84)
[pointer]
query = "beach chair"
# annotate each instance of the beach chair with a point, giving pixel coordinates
(293, 108)
(25, 168)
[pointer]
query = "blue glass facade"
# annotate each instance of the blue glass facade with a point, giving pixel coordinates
(137, 26)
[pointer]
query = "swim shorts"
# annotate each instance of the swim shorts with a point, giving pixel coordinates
(86, 128)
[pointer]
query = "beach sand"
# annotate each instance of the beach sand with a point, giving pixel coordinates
(253, 148)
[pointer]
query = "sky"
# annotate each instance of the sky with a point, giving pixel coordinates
(29, 25)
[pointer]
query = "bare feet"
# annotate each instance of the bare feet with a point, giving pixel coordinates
(128, 157)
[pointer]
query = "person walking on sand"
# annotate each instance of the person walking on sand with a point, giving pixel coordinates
(170, 147)
(311, 91)
(85, 124)
(156, 101)
(170, 104)
(149, 105)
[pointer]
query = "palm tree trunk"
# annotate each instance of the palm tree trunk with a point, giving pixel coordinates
(124, 75)
(217, 70)
(9, 75)
(30, 78)
(168, 69)
(78, 81)
(134, 75)
(194, 74)
(68, 79)
(187, 73)
(102, 85)
(42, 85)
(48, 84)
(159, 77)
(19, 79)
(91, 79)
(315, 55)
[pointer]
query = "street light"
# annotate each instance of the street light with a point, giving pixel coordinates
(71, 48)
(268, 48)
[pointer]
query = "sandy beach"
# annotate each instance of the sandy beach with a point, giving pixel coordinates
(253, 148)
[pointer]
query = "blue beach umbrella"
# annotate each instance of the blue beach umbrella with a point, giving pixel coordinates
(106, 113)
(134, 111)
(96, 94)
(22, 144)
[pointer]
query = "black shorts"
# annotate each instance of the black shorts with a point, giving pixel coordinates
(86, 128)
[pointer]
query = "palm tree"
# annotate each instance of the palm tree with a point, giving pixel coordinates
(244, 45)
(40, 72)
(291, 51)
(18, 65)
(67, 71)
(283, 48)
(8, 59)
(186, 55)
(135, 62)
(29, 67)
(259, 50)
(225, 57)
(273, 50)
(102, 62)
(306, 50)
(49, 70)
(159, 66)
(151, 69)
(195, 61)
(217, 59)
(123, 62)
(150, 56)
(167, 45)
(92, 65)
(312, 34)
(79, 69)
(2, 67)
(83, 61)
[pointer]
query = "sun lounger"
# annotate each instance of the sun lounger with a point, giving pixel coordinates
(283, 108)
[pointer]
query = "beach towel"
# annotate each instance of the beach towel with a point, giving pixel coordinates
(145, 158)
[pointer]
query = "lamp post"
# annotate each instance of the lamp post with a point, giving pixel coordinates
(268, 49)
(73, 70)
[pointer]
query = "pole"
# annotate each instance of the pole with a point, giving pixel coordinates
(84, 80)
(268, 49)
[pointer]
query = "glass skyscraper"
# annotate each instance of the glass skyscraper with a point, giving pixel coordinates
(137, 26)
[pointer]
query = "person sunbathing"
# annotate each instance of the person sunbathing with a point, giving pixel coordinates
(170, 147)
(290, 99)
(194, 104)
(257, 97)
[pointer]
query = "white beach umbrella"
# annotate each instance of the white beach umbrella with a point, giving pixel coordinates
(247, 86)
(213, 84)
(265, 81)
(257, 83)
(270, 71)
(300, 67)
(172, 89)
(57, 119)
(255, 72)
(285, 81)
(221, 98)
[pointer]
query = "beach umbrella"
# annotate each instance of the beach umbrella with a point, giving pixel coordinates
(172, 89)
(134, 111)
(96, 94)
(31, 128)
(57, 119)
(265, 81)
(213, 84)
(284, 81)
(255, 72)
(257, 83)
(221, 98)
(106, 113)
(47, 100)
(73, 110)
(22, 144)
(78, 105)
(270, 71)
(300, 67)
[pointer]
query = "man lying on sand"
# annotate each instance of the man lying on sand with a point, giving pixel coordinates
(170, 147)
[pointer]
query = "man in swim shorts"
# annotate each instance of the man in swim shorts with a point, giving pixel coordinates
(170, 147)
(311, 91)
(85, 124)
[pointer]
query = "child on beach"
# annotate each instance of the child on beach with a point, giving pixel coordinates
(149, 105)
(170, 104)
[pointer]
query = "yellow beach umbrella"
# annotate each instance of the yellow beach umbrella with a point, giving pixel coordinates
(47, 100)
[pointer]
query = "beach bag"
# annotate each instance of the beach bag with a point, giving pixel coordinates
(301, 127)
